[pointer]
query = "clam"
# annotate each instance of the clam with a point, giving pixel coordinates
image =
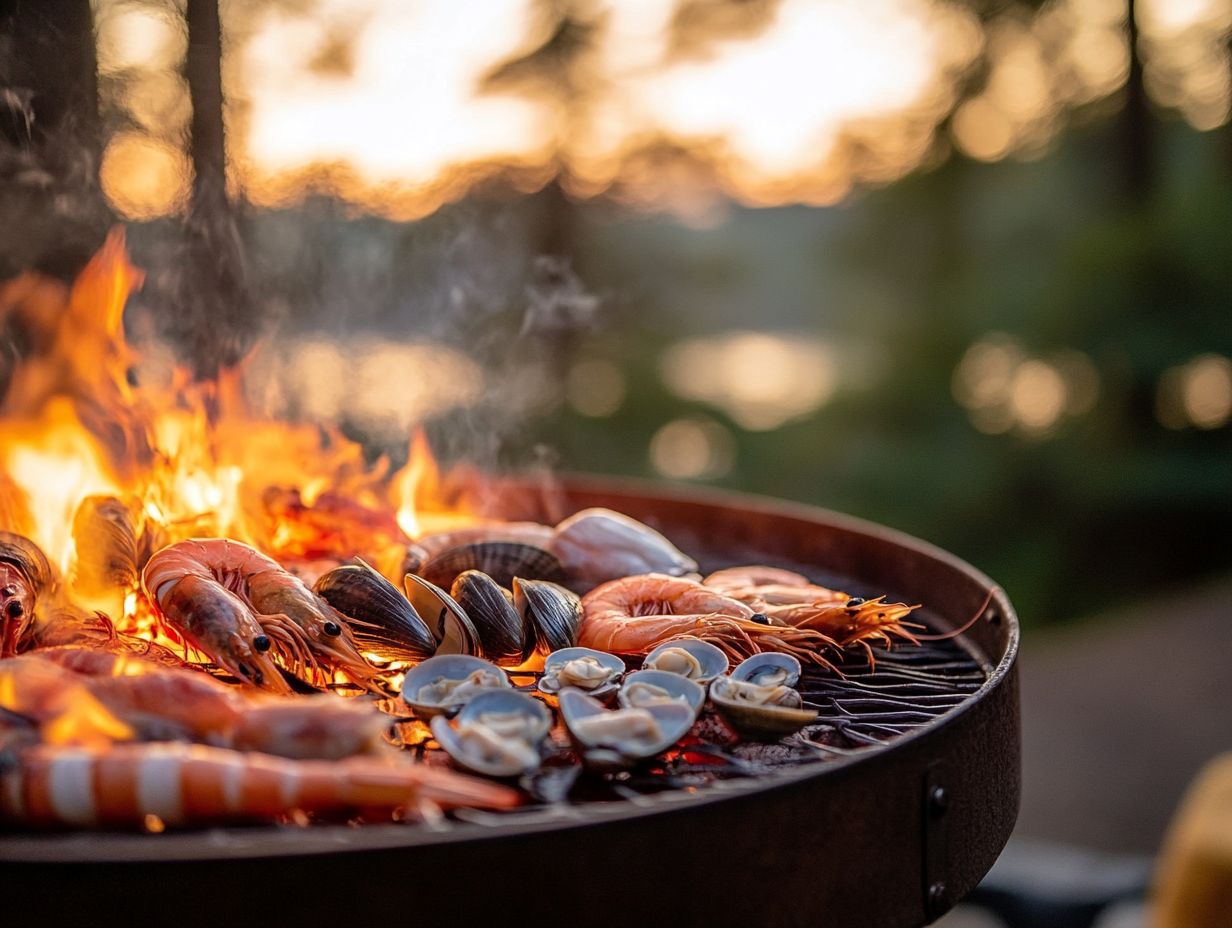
(450, 626)
(772, 668)
(760, 713)
(615, 739)
(596, 545)
(553, 612)
(106, 549)
(381, 618)
(595, 672)
(502, 635)
(498, 733)
(500, 560)
(647, 687)
(698, 660)
(25, 574)
(444, 684)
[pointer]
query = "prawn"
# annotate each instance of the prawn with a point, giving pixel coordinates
(635, 614)
(235, 604)
(789, 598)
(135, 785)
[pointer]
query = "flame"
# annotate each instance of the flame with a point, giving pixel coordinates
(85, 415)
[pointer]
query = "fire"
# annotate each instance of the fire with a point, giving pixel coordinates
(85, 417)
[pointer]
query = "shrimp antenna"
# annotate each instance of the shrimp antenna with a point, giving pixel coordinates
(955, 632)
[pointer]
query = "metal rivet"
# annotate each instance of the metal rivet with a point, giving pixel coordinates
(938, 800)
(938, 897)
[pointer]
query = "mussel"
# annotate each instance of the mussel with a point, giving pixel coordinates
(25, 574)
(762, 711)
(698, 660)
(499, 733)
(444, 684)
(500, 560)
(503, 638)
(613, 740)
(449, 624)
(595, 672)
(647, 687)
(552, 611)
(383, 620)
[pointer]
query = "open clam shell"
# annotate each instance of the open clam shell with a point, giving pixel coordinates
(553, 612)
(502, 635)
(772, 668)
(499, 733)
(615, 739)
(595, 672)
(500, 560)
(449, 624)
(381, 618)
(698, 660)
(648, 687)
(444, 684)
(760, 713)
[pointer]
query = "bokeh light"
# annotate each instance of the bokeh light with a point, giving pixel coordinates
(692, 449)
(595, 388)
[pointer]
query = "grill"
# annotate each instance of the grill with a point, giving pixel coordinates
(891, 809)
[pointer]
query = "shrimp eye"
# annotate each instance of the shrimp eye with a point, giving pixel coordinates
(15, 609)
(760, 619)
(333, 629)
(855, 601)
(261, 643)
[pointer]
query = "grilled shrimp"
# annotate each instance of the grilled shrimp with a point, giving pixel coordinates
(635, 614)
(789, 598)
(235, 604)
(135, 785)
(157, 703)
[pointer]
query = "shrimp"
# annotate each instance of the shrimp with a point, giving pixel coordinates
(789, 598)
(163, 704)
(234, 603)
(135, 785)
(635, 614)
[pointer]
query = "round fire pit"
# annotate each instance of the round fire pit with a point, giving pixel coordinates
(892, 831)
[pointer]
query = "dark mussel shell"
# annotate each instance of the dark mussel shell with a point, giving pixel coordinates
(503, 638)
(550, 610)
(450, 626)
(106, 546)
(500, 560)
(381, 618)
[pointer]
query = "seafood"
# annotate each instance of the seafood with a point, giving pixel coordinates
(526, 533)
(497, 734)
(788, 598)
(105, 567)
(502, 638)
(633, 615)
(382, 620)
(611, 740)
(144, 785)
(762, 713)
(553, 612)
(646, 687)
(500, 560)
(596, 672)
(25, 575)
(441, 685)
(691, 658)
(158, 703)
(596, 545)
(237, 605)
(450, 626)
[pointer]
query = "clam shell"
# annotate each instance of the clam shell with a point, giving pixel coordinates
(28, 558)
(609, 745)
(106, 547)
(551, 610)
(381, 618)
(502, 635)
(551, 684)
(524, 756)
(676, 688)
(708, 660)
(450, 627)
(500, 560)
(759, 722)
(448, 668)
(772, 668)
